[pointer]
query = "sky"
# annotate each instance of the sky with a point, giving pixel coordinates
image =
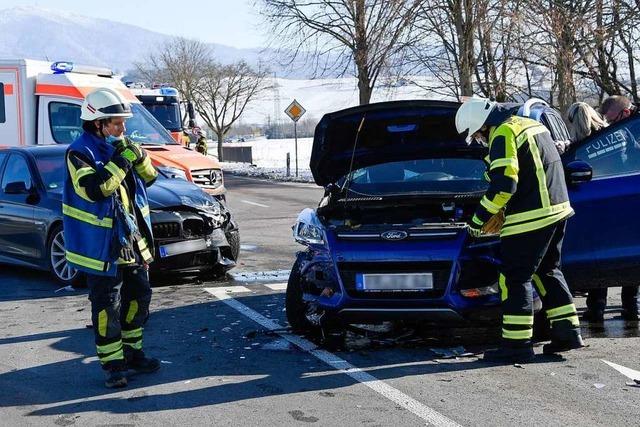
(230, 22)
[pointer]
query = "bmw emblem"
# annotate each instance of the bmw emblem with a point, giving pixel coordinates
(394, 235)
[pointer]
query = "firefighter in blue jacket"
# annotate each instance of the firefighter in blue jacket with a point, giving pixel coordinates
(108, 231)
(527, 184)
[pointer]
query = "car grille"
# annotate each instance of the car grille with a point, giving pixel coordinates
(436, 231)
(207, 178)
(166, 230)
(440, 270)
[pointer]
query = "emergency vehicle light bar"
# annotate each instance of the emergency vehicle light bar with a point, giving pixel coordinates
(60, 67)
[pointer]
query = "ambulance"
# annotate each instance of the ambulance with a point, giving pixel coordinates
(40, 104)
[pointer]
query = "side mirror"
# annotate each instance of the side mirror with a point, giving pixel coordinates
(578, 171)
(16, 188)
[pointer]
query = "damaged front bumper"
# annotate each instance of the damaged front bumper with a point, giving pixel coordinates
(464, 276)
(188, 242)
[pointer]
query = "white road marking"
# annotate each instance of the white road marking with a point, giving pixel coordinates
(424, 412)
(261, 276)
(277, 286)
(254, 203)
(227, 290)
(627, 372)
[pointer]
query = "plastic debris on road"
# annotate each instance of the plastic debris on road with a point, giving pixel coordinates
(452, 352)
(65, 289)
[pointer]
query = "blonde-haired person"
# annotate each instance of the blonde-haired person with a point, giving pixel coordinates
(582, 121)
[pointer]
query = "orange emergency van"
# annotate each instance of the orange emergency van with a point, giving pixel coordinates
(40, 104)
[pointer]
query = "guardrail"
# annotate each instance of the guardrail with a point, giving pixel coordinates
(237, 154)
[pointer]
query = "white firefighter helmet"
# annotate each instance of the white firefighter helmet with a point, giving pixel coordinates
(472, 115)
(104, 103)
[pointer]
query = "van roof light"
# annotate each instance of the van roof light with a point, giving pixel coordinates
(60, 67)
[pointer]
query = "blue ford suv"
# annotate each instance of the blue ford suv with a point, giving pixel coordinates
(388, 240)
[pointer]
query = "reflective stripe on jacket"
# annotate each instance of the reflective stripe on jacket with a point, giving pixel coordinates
(93, 178)
(526, 178)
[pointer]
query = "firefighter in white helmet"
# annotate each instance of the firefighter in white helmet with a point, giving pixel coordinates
(527, 186)
(108, 231)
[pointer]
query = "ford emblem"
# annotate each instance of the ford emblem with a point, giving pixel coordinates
(394, 235)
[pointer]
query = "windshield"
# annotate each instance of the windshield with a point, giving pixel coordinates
(167, 114)
(143, 128)
(447, 175)
(51, 168)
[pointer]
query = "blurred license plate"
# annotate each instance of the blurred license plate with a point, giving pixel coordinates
(396, 282)
(184, 247)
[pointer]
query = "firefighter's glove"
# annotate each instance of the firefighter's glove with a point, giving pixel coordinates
(474, 229)
(133, 153)
(494, 224)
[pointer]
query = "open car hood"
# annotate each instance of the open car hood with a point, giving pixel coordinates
(391, 131)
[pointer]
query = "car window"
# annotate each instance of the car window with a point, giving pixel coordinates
(614, 151)
(65, 122)
(17, 170)
(52, 171)
(425, 175)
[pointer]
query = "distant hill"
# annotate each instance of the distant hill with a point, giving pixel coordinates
(38, 33)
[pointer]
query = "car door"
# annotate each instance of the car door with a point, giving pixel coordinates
(605, 227)
(18, 236)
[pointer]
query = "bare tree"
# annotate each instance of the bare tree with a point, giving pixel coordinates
(223, 93)
(179, 62)
(341, 34)
(466, 46)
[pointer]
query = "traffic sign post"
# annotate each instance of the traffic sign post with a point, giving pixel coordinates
(295, 111)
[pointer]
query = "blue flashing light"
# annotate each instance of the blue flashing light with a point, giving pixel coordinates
(60, 67)
(168, 91)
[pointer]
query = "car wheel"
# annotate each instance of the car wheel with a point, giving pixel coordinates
(60, 269)
(295, 307)
(233, 237)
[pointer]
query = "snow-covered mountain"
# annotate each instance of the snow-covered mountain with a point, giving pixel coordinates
(38, 33)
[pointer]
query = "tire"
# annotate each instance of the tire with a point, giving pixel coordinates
(58, 267)
(295, 306)
(233, 237)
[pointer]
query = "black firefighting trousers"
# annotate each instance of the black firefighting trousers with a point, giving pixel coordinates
(533, 257)
(119, 309)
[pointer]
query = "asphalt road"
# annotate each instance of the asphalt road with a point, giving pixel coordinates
(228, 360)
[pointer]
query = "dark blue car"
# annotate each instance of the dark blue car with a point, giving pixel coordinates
(388, 239)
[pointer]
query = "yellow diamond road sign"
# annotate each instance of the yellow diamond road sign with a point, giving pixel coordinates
(295, 110)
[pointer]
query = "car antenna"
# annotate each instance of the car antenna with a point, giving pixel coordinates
(347, 182)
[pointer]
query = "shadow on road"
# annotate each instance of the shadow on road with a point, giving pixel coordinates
(211, 355)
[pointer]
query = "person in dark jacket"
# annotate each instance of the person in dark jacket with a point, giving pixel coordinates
(527, 186)
(107, 231)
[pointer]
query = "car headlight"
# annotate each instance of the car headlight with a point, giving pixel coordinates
(171, 172)
(308, 234)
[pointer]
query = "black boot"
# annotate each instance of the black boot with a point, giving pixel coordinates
(115, 374)
(564, 337)
(508, 355)
(137, 361)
